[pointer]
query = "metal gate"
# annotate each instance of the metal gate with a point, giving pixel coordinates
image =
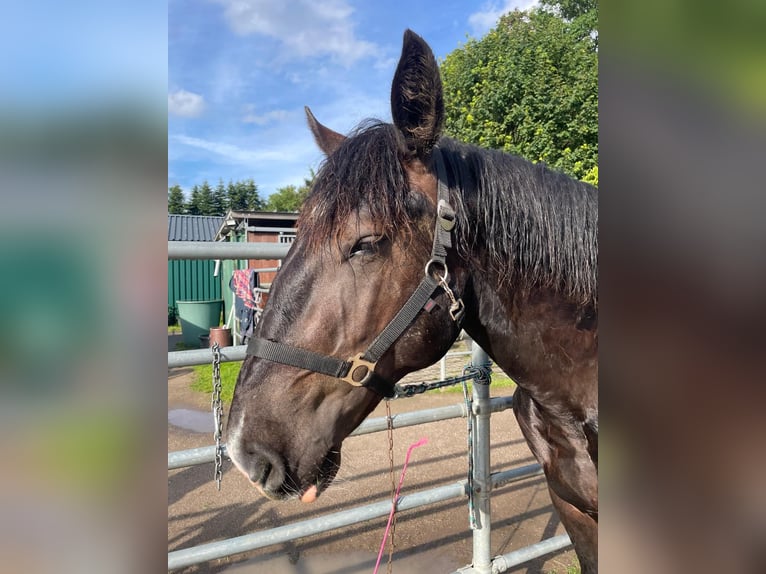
(477, 488)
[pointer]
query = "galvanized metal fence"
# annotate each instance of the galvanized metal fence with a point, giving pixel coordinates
(477, 488)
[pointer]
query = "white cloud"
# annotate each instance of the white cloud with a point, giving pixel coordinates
(485, 19)
(229, 152)
(186, 104)
(264, 119)
(304, 27)
(276, 162)
(287, 151)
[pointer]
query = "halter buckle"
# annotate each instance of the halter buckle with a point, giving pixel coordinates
(446, 215)
(360, 372)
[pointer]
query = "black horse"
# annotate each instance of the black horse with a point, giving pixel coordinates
(406, 237)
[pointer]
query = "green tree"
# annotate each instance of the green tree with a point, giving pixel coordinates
(193, 207)
(250, 195)
(220, 201)
(176, 200)
(243, 196)
(235, 198)
(530, 87)
(206, 202)
(287, 198)
(582, 14)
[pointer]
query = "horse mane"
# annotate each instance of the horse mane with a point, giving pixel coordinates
(529, 225)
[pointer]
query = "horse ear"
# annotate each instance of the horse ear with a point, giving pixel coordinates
(327, 140)
(417, 104)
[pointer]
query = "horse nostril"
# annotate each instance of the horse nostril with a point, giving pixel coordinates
(259, 464)
(261, 471)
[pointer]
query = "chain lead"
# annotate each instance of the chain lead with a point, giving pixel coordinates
(217, 407)
(410, 389)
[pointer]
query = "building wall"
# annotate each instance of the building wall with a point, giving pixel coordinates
(262, 237)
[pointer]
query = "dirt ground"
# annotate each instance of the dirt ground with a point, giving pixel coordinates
(434, 539)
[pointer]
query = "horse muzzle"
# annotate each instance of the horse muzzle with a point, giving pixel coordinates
(262, 467)
(268, 473)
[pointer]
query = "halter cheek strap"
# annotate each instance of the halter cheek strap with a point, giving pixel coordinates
(359, 370)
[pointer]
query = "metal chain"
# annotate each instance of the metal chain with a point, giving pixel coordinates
(390, 424)
(410, 389)
(217, 407)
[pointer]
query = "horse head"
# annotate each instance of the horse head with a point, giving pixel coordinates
(364, 244)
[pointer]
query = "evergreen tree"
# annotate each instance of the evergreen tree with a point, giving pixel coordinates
(237, 196)
(220, 201)
(234, 197)
(194, 207)
(176, 200)
(250, 195)
(206, 206)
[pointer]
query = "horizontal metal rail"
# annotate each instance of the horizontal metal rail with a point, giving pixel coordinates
(206, 454)
(205, 356)
(255, 540)
(226, 250)
(192, 457)
(522, 555)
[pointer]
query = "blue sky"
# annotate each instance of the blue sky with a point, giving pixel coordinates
(240, 72)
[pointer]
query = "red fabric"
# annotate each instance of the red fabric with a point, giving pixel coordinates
(242, 282)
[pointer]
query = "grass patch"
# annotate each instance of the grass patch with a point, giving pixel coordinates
(174, 329)
(573, 568)
(203, 379)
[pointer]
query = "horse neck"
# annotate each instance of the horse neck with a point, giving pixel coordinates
(523, 224)
(500, 297)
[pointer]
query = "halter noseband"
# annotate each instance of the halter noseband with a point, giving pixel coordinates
(359, 370)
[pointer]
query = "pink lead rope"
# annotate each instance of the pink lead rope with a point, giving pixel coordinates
(413, 446)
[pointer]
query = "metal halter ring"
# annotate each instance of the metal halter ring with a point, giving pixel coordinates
(437, 262)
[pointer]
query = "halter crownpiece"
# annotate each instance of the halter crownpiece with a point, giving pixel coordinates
(359, 370)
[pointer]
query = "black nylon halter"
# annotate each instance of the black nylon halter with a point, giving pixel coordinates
(359, 371)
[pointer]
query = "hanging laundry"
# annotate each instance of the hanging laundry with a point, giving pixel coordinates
(247, 301)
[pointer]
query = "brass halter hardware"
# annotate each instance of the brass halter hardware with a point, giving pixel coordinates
(360, 372)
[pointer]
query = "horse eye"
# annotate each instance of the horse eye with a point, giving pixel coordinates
(365, 245)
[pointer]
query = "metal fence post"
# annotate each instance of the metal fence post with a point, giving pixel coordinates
(482, 482)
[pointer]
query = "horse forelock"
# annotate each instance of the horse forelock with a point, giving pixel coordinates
(365, 172)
